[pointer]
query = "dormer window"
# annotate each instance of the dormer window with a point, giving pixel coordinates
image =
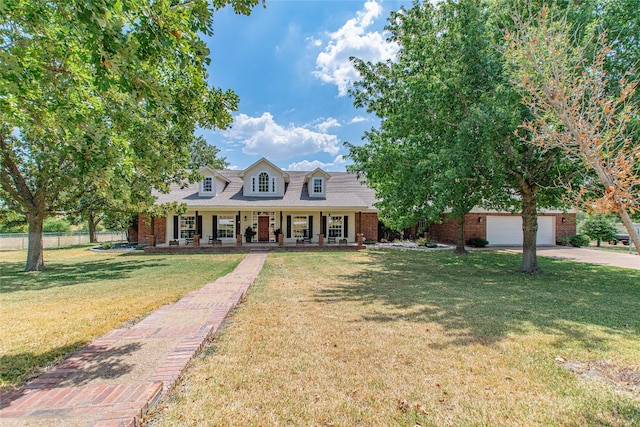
(318, 186)
(206, 186)
(263, 182)
(316, 182)
(264, 179)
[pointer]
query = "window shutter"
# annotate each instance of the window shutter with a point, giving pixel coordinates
(345, 230)
(176, 224)
(199, 225)
(237, 224)
(324, 225)
(310, 227)
(215, 226)
(288, 226)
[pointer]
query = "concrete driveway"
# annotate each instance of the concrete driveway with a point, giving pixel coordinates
(590, 256)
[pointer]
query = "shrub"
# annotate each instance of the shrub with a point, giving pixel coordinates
(563, 241)
(107, 245)
(56, 225)
(579, 240)
(477, 242)
(599, 228)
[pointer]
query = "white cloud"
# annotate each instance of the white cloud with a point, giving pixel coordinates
(264, 137)
(358, 119)
(352, 39)
(312, 41)
(307, 165)
(327, 124)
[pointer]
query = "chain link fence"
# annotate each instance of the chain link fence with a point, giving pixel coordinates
(20, 241)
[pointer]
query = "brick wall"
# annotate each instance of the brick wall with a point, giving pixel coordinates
(444, 232)
(475, 225)
(369, 225)
(567, 228)
(144, 230)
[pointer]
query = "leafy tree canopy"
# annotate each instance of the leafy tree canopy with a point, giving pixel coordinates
(101, 96)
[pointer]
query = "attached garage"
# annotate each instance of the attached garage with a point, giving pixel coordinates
(507, 230)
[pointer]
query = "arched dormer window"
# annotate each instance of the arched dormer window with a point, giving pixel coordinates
(263, 182)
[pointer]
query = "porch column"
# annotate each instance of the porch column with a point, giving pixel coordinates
(196, 237)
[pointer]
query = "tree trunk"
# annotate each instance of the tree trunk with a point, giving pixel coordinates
(628, 224)
(35, 259)
(460, 249)
(530, 232)
(93, 225)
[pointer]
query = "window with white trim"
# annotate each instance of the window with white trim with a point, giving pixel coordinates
(334, 226)
(207, 184)
(226, 226)
(300, 226)
(263, 182)
(317, 186)
(187, 227)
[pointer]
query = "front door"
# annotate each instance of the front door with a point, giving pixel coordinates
(263, 228)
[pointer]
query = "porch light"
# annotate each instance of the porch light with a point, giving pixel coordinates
(564, 220)
(479, 219)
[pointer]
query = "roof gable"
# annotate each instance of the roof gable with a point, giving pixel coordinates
(264, 164)
(317, 172)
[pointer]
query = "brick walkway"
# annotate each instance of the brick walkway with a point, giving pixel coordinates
(117, 378)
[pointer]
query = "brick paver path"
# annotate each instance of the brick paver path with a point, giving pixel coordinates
(117, 378)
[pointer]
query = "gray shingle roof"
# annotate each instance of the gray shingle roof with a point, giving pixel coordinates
(343, 191)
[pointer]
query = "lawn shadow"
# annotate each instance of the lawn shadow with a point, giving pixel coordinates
(58, 274)
(479, 298)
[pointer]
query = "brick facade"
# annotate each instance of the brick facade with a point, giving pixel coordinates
(475, 225)
(565, 225)
(367, 224)
(144, 230)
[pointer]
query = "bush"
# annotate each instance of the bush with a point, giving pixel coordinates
(563, 241)
(107, 245)
(56, 225)
(599, 228)
(579, 240)
(477, 242)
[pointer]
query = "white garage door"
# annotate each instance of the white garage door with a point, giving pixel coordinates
(507, 230)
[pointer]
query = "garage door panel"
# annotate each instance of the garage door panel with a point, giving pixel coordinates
(507, 230)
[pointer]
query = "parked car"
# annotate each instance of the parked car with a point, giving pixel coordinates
(622, 238)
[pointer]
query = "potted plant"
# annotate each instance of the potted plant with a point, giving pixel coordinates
(248, 234)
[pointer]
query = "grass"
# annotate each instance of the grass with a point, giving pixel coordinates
(383, 338)
(82, 295)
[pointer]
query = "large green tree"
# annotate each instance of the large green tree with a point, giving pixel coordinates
(105, 93)
(433, 150)
(449, 137)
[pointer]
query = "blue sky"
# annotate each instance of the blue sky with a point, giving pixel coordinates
(289, 65)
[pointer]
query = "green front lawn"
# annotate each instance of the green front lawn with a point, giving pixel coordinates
(82, 295)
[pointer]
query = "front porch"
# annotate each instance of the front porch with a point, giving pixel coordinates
(300, 245)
